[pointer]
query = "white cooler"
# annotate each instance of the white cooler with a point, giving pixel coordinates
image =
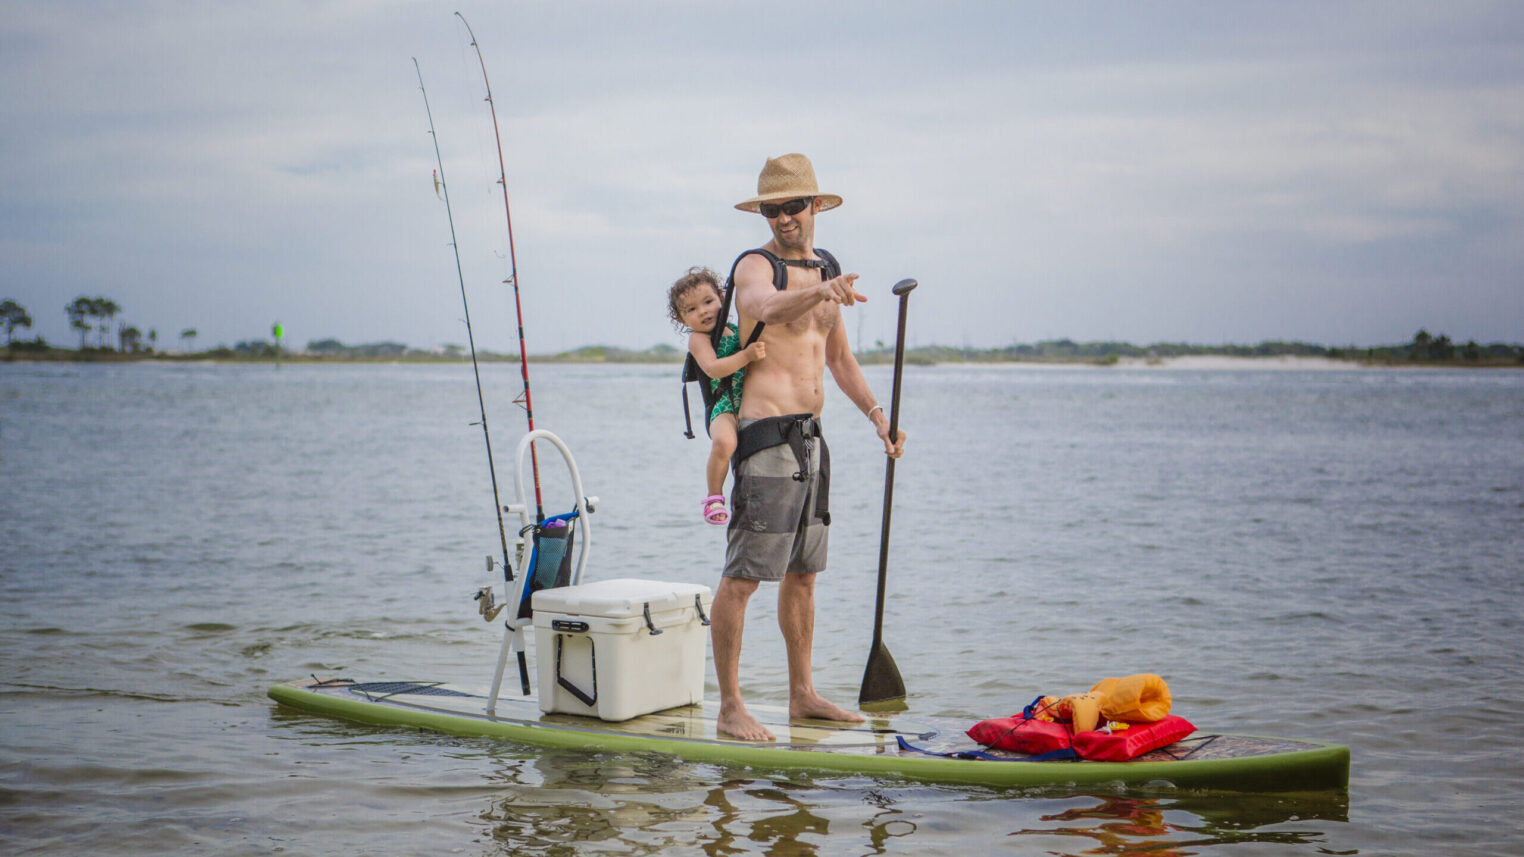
(596, 654)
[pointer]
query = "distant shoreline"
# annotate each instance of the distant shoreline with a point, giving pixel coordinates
(1425, 349)
(913, 357)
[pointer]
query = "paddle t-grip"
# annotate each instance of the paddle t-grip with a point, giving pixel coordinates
(903, 287)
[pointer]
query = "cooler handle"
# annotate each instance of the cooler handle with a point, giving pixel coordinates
(589, 701)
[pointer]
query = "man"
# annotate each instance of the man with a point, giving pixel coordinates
(779, 501)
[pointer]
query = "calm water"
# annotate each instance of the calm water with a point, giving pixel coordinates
(1333, 555)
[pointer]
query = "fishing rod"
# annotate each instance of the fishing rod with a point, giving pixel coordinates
(513, 276)
(497, 504)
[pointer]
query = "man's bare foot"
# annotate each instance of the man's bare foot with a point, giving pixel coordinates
(816, 706)
(740, 724)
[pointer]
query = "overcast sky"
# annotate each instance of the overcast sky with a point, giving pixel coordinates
(1206, 172)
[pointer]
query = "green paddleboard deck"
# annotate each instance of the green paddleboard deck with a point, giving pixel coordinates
(1203, 761)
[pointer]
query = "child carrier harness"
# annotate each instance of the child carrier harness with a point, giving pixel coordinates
(711, 393)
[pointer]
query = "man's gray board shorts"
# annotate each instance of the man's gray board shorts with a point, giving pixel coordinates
(773, 528)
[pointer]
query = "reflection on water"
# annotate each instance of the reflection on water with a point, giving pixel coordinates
(566, 802)
(635, 804)
(773, 814)
(1138, 826)
(1120, 826)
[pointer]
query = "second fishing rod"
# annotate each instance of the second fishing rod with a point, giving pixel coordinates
(513, 270)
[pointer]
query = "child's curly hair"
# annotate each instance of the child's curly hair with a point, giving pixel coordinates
(697, 276)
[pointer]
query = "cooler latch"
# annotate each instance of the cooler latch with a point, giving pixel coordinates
(649, 624)
(698, 604)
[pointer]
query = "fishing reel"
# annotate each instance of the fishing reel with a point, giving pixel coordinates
(486, 604)
(486, 599)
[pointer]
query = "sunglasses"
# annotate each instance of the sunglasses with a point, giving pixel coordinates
(794, 206)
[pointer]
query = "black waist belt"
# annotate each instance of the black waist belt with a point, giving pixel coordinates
(798, 431)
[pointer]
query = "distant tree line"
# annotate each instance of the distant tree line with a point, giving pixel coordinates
(335, 348)
(1425, 348)
(90, 317)
(1068, 349)
(663, 353)
(94, 316)
(13, 315)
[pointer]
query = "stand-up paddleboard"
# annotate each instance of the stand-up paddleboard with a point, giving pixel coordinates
(899, 746)
(605, 648)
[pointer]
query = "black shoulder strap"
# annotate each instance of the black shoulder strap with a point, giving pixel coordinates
(780, 282)
(692, 372)
(780, 274)
(832, 267)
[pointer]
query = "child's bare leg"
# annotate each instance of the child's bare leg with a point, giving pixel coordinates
(722, 445)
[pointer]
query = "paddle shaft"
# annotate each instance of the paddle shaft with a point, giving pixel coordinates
(894, 428)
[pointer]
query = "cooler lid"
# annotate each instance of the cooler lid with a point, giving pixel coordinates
(618, 599)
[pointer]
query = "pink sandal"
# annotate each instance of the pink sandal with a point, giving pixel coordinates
(714, 509)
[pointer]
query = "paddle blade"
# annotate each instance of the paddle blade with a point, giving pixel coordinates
(881, 679)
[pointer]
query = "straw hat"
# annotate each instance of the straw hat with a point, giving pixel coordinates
(788, 177)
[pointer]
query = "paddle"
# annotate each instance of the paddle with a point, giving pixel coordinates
(881, 678)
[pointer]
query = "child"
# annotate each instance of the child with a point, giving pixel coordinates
(693, 304)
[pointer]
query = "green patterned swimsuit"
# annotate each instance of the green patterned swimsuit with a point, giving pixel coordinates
(728, 402)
